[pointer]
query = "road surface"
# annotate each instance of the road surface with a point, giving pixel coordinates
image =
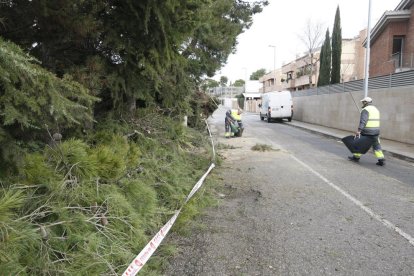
(301, 209)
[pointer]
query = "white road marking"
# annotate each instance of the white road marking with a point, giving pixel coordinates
(385, 222)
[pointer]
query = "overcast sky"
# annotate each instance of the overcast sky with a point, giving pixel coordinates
(283, 21)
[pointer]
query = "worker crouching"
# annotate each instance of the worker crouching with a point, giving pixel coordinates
(233, 124)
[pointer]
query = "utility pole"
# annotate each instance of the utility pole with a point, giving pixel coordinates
(245, 78)
(274, 65)
(367, 52)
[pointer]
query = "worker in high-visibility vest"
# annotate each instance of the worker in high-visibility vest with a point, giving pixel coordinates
(369, 125)
(233, 116)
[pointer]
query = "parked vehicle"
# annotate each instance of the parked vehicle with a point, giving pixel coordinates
(276, 106)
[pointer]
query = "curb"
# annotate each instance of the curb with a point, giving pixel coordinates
(331, 136)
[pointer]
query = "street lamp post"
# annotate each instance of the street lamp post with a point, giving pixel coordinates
(245, 78)
(367, 53)
(274, 65)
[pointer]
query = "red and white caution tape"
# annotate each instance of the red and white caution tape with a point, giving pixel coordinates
(212, 143)
(199, 183)
(150, 248)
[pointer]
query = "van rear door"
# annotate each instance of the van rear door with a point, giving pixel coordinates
(281, 105)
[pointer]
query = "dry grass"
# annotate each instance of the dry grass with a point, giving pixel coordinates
(262, 147)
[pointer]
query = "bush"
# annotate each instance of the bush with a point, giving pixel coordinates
(86, 207)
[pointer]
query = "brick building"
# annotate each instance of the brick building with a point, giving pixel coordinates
(392, 41)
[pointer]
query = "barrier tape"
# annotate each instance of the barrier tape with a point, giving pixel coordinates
(212, 143)
(150, 248)
(141, 259)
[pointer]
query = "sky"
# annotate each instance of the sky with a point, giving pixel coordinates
(281, 24)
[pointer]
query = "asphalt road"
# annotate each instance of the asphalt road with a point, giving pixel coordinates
(301, 209)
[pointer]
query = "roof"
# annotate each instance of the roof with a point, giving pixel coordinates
(252, 95)
(386, 18)
(404, 4)
(401, 13)
(252, 86)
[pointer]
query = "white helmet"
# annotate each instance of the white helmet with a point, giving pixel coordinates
(367, 99)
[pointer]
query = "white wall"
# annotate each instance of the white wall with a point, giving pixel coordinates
(338, 110)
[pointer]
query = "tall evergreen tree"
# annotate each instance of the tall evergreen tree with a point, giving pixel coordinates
(325, 61)
(321, 68)
(155, 51)
(33, 100)
(336, 49)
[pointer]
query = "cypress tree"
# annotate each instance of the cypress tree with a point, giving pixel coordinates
(336, 49)
(321, 69)
(325, 61)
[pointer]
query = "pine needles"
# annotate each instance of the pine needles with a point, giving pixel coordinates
(87, 207)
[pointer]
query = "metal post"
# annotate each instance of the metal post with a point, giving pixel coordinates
(274, 65)
(367, 53)
(390, 82)
(245, 78)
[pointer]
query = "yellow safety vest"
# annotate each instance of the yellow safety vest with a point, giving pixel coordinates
(235, 115)
(373, 117)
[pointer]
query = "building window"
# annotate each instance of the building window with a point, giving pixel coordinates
(397, 50)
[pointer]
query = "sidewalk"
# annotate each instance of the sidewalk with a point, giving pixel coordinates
(396, 149)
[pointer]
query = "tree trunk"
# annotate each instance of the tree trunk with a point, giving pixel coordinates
(311, 70)
(131, 103)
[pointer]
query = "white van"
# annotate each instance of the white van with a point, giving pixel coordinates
(276, 105)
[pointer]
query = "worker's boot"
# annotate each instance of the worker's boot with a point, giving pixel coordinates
(227, 134)
(381, 162)
(353, 158)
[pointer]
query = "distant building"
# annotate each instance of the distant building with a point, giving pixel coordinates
(353, 58)
(271, 81)
(298, 74)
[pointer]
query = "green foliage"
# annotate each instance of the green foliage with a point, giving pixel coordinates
(32, 97)
(325, 62)
(87, 204)
(125, 51)
(35, 170)
(218, 23)
(336, 49)
(223, 81)
(16, 236)
(72, 159)
(32, 100)
(88, 207)
(209, 83)
(258, 74)
(240, 100)
(239, 83)
(8, 202)
(203, 105)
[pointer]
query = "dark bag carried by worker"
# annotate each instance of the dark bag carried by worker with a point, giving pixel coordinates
(234, 127)
(358, 144)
